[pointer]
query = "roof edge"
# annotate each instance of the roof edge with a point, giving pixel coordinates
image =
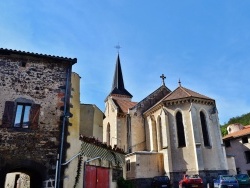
(5, 51)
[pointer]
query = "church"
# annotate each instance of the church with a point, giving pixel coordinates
(167, 133)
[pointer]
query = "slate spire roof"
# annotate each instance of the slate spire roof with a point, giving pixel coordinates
(118, 87)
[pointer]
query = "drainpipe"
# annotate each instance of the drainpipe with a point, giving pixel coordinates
(56, 176)
(66, 115)
(67, 162)
(84, 171)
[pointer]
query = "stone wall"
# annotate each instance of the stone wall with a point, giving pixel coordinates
(37, 80)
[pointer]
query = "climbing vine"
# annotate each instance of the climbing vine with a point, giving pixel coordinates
(78, 172)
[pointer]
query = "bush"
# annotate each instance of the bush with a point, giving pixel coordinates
(122, 183)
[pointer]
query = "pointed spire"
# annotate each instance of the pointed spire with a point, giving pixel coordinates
(118, 84)
(118, 78)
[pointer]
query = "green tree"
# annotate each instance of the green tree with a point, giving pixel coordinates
(243, 119)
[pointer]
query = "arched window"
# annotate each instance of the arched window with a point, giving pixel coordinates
(160, 133)
(204, 129)
(129, 149)
(180, 130)
(154, 135)
(108, 134)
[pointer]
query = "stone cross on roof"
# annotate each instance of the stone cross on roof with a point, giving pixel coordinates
(163, 78)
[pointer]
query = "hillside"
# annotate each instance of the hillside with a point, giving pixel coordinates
(243, 119)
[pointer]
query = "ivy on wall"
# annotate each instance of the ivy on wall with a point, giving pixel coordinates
(78, 172)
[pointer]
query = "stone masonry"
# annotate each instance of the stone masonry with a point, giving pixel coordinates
(38, 80)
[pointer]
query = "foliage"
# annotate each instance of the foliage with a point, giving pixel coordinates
(122, 183)
(95, 141)
(243, 119)
(78, 172)
(223, 130)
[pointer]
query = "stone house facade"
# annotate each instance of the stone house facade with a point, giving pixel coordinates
(178, 130)
(237, 144)
(34, 107)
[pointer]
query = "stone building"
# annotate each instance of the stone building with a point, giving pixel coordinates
(34, 111)
(91, 120)
(166, 133)
(88, 162)
(237, 144)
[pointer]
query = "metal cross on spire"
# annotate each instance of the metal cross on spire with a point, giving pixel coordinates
(163, 78)
(117, 47)
(179, 82)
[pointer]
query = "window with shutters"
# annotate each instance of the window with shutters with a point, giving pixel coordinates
(20, 115)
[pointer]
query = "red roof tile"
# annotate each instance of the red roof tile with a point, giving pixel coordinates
(124, 105)
(243, 132)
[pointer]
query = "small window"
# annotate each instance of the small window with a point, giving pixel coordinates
(247, 155)
(22, 115)
(238, 170)
(227, 143)
(128, 165)
(23, 64)
(244, 140)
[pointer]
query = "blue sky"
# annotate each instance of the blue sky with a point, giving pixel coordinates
(204, 43)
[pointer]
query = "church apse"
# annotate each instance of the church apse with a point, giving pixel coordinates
(170, 126)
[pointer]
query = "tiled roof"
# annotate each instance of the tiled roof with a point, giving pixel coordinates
(182, 92)
(124, 105)
(153, 94)
(5, 51)
(243, 132)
